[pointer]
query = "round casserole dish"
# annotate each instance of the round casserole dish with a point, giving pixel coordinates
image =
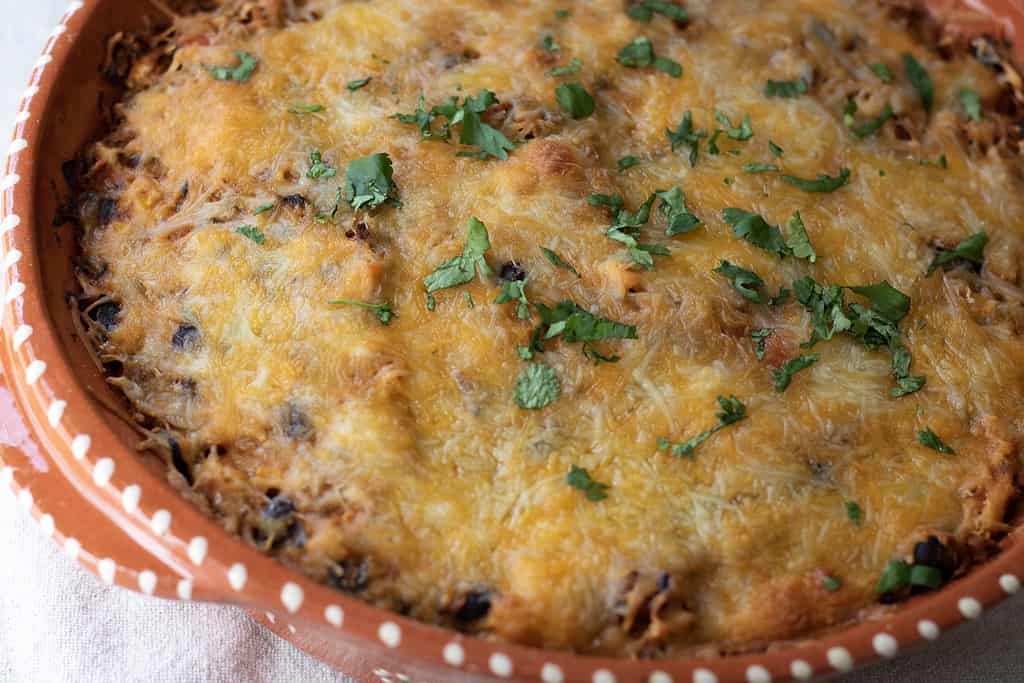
(74, 464)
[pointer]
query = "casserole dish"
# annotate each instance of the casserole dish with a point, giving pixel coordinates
(176, 551)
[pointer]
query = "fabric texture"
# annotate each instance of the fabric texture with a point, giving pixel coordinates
(59, 623)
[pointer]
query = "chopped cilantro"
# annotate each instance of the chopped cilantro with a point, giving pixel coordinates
(358, 83)
(627, 162)
(854, 513)
(866, 128)
(550, 44)
(474, 132)
(742, 132)
(263, 209)
(775, 149)
(686, 135)
(826, 307)
(305, 108)
(923, 576)
(463, 268)
(971, 249)
(572, 67)
(886, 299)
(783, 375)
(786, 89)
(746, 282)
(823, 183)
(318, 168)
(895, 576)
(761, 337)
(575, 100)
(383, 311)
(469, 300)
(919, 78)
(941, 162)
(239, 74)
(797, 240)
(515, 291)
(756, 230)
(252, 232)
(882, 71)
(713, 142)
(679, 218)
(640, 53)
(832, 583)
(732, 412)
(558, 261)
(369, 182)
(579, 478)
(562, 13)
(930, 439)
(645, 10)
(760, 167)
(323, 217)
(971, 102)
(575, 324)
(537, 387)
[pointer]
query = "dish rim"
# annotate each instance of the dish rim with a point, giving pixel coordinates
(160, 544)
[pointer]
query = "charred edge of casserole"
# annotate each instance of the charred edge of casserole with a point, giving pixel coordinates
(649, 611)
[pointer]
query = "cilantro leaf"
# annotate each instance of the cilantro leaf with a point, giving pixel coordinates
(894, 577)
(420, 118)
(572, 67)
(558, 261)
(537, 387)
(627, 162)
(890, 302)
(867, 128)
(971, 249)
(930, 439)
(515, 291)
(593, 354)
(668, 66)
(305, 108)
(826, 307)
(854, 512)
(579, 478)
(639, 54)
(746, 282)
(575, 100)
(252, 232)
(645, 10)
(786, 89)
(919, 78)
(383, 311)
(823, 183)
(783, 375)
(732, 412)
(247, 63)
(679, 218)
(756, 230)
(686, 136)
(369, 182)
(317, 168)
(797, 241)
(742, 132)
(463, 268)
(882, 71)
(775, 149)
(906, 383)
(832, 583)
(550, 44)
(263, 209)
(760, 167)
(475, 132)
(358, 83)
(761, 337)
(575, 324)
(971, 102)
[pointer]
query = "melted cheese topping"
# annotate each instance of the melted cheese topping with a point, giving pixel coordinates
(400, 464)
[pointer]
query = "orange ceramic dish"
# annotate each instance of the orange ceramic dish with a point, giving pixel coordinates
(73, 462)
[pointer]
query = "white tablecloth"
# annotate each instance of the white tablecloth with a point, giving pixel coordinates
(58, 623)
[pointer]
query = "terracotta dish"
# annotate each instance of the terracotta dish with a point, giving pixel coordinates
(74, 463)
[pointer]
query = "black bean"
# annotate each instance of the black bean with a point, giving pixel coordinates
(512, 272)
(351, 574)
(107, 314)
(92, 267)
(108, 209)
(293, 201)
(297, 424)
(186, 337)
(664, 582)
(73, 170)
(475, 605)
(279, 507)
(933, 553)
(178, 459)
